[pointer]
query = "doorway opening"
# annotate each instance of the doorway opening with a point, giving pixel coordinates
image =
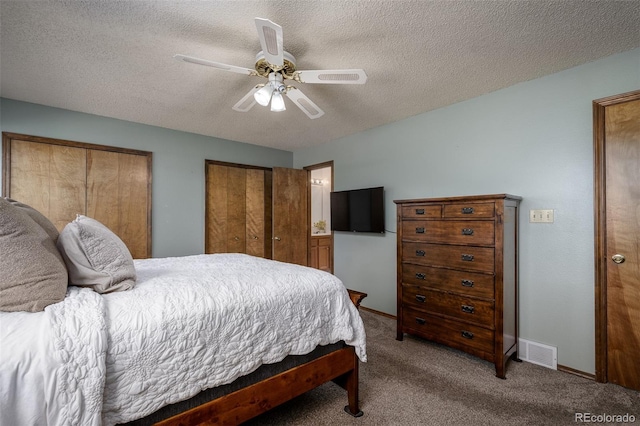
(321, 238)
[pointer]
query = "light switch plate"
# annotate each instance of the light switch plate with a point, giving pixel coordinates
(541, 216)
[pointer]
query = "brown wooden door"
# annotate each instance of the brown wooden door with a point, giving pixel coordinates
(290, 215)
(117, 197)
(226, 209)
(62, 179)
(618, 304)
(238, 209)
(258, 213)
(50, 178)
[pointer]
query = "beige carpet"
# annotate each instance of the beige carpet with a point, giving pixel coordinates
(415, 382)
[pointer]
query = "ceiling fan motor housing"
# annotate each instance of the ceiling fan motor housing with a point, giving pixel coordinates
(264, 68)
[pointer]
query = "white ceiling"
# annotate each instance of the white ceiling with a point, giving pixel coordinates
(114, 58)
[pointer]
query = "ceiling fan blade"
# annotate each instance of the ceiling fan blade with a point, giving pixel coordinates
(270, 35)
(247, 101)
(217, 65)
(304, 103)
(355, 76)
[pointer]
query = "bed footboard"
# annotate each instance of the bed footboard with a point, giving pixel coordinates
(244, 404)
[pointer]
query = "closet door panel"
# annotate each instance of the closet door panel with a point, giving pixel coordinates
(268, 214)
(117, 197)
(225, 209)
(255, 206)
(49, 178)
(135, 221)
(216, 231)
(102, 189)
(236, 210)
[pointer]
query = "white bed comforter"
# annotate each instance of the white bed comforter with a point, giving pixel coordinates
(190, 323)
(52, 363)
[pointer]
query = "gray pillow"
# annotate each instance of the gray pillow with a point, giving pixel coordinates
(96, 257)
(33, 274)
(38, 217)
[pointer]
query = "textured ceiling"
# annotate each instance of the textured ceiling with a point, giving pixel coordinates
(114, 58)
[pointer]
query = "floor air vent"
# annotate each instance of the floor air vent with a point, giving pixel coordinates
(537, 353)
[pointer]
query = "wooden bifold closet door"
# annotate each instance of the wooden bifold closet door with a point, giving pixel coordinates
(257, 211)
(117, 187)
(50, 178)
(238, 219)
(64, 178)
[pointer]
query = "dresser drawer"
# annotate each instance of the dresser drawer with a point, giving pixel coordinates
(477, 311)
(473, 232)
(418, 211)
(450, 332)
(468, 210)
(462, 282)
(455, 257)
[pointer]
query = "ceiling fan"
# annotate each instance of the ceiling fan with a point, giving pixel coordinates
(278, 65)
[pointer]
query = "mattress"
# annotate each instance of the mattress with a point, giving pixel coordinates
(191, 323)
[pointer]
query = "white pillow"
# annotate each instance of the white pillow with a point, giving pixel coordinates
(96, 257)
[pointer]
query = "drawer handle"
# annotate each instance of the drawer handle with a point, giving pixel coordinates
(467, 283)
(420, 298)
(468, 309)
(421, 276)
(467, 231)
(467, 210)
(467, 334)
(421, 321)
(420, 252)
(467, 257)
(419, 230)
(419, 211)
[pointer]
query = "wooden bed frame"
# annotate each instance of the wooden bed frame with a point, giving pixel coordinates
(340, 366)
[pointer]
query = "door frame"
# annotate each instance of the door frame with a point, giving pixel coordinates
(309, 169)
(599, 107)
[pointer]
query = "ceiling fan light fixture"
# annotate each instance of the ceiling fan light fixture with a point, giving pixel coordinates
(263, 95)
(277, 102)
(276, 64)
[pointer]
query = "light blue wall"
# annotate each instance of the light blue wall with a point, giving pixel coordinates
(178, 164)
(534, 140)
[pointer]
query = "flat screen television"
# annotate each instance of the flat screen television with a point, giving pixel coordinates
(358, 210)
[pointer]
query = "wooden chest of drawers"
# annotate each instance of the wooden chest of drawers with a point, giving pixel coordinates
(457, 273)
